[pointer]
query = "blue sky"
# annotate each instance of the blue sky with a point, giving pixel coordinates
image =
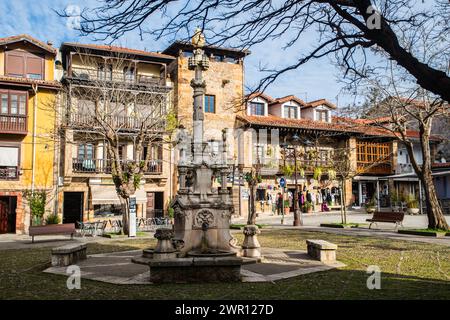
(317, 79)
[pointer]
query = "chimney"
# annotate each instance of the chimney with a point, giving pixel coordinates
(50, 43)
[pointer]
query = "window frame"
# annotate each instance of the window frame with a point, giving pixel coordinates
(19, 154)
(253, 107)
(19, 94)
(206, 108)
(322, 112)
(25, 55)
(290, 108)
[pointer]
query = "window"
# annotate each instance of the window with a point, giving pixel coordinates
(210, 104)
(86, 151)
(128, 73)
(290, 112)
(9, 162)
(256, 109)
(322, 115)
(13, 103)
(23, 64)
(104, 72)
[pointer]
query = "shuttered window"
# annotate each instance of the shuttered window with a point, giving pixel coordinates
(210, 104)
(22, 64)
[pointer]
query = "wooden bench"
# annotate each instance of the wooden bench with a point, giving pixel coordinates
(322, 250)
(388, 217)
(67, 228)
(68, 254)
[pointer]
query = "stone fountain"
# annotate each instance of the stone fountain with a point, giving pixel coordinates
(201, 246)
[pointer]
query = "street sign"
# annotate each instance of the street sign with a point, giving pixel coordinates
(132, 218)
(282, 182)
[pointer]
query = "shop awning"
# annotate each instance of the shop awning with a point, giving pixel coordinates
(106, 194)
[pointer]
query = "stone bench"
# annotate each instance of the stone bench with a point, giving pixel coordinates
(322, 250)
(68, 254)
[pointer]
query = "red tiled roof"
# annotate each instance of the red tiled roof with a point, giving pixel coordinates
(335, 125)
(259, 94)
(316, 103)
(26, 37)
(374, 120)
(12, 80)
(441, 165)
(416, 134)
(289, 98)
(117, 49)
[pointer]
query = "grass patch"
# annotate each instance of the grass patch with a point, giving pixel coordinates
(118, 235)
(237, 226)
(410, 270)
(426, 232)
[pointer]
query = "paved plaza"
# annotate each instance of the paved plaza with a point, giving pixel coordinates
(117, 267)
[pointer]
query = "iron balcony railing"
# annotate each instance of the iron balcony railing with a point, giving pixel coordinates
(13, 124)
(87, 74)
(104, 166)
(9, 173)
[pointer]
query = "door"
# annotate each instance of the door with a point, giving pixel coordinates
(159, 204)
(8, 206)
(150, 204)
(4, 209)
(73, 207)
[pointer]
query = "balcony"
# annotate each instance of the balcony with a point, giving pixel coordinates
(307, 164)
(370, 168)
(404, 168)
(9, 173)
(117, 122)
(13, 124)
(98, 166)
(94, 75)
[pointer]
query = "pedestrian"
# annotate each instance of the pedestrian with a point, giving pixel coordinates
(279, 203)
(320, 199)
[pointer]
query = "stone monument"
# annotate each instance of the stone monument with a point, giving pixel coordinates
(202, 239)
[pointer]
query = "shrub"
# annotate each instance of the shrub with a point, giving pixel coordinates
(52, 219)
(412, 202)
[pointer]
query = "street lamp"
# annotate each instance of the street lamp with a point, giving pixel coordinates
(298, 219)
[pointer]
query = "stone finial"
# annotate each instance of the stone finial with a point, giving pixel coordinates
(198, 39)
(251, 230)
(164, 234)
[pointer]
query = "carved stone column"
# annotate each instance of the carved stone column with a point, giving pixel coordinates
(251, 247)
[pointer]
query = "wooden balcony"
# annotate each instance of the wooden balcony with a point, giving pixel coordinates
(99, 166)
(94, 75)
(370, 168)
(9, 173)
(117, 122)
(13, 124)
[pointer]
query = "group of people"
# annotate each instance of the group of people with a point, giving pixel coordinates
(322, 197)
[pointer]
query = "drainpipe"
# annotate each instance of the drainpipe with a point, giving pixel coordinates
(33, 145)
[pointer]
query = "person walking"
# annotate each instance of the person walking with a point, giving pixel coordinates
(279, 202)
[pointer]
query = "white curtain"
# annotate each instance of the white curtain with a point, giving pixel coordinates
(9, 156)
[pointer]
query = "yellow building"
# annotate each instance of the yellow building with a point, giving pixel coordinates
(28, 96)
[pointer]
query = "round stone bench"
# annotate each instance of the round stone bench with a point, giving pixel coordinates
(68, 254)
(322, 250)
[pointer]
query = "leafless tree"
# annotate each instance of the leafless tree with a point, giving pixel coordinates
(414, 109)
(104, 105)
(353, 32)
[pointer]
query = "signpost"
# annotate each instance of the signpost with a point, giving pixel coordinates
(132, 218)
(282, 185)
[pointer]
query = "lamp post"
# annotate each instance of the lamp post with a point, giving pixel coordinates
(298, 220)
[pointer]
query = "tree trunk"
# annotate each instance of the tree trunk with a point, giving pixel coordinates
(436, 218)
(125, 202)
(344, 201)
(252, 214)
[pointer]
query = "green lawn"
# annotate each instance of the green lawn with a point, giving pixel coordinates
(409, 271)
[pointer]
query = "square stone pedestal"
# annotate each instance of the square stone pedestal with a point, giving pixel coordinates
(194, 269)
(322, 250)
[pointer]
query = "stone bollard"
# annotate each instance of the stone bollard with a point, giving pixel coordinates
(251, 247)
(164, 247)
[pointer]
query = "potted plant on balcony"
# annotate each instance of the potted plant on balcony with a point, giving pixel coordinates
(370, 205)
(412, 204)
(317, 173)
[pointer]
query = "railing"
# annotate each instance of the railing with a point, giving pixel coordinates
(105, 165)
(307, 164)
(115, 76)
(13, 124)
(9, 173)
(117, 122)
(379, 168)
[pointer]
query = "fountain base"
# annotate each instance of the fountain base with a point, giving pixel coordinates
(194, 269)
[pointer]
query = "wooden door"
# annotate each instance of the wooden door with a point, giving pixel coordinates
(150, 212)
(4, 211)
